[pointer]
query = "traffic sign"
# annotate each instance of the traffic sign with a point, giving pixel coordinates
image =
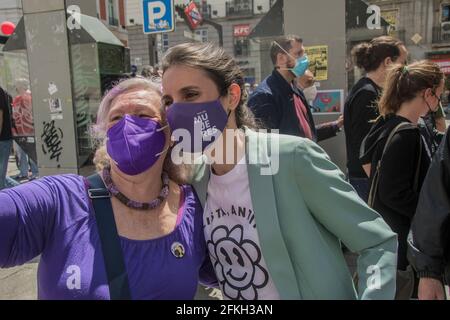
(193, 15)
(159, 16)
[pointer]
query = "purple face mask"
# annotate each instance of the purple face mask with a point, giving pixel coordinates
(135, 144)
(202, 122)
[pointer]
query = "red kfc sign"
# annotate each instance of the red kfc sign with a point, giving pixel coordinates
(242, 30)
(193, 16)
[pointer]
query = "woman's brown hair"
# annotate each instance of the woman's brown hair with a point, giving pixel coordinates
(370, 55)
(403, 83)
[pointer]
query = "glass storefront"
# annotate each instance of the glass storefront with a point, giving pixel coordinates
(15, 80)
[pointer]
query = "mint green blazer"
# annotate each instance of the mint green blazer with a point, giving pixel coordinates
(303, 211)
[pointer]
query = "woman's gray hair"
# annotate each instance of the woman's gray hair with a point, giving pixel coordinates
(153, 85)
(98, 131)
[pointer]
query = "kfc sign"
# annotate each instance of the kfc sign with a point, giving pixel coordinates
(242, 30)
(193, 16)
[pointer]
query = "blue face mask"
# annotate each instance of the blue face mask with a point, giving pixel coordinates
(301, 64)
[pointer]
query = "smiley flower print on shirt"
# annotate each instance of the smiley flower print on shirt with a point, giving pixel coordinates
(237, 263)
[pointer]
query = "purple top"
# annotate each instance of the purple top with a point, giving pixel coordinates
(53, 217)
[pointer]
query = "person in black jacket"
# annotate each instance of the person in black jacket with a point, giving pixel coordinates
(429, 240)
(279, 104)
(360, 109)
(410, 93)
(6, 141)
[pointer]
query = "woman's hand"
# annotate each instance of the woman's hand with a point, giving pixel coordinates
(431, 289)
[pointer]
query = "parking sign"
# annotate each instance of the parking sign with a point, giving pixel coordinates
(158, 16)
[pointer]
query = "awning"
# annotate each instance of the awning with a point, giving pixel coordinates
(92, 31)
(432, 54)
(17, 40)
(272, 24)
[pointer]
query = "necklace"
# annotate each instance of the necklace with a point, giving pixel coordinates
(135, 204)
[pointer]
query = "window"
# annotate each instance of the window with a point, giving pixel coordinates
(445, 13)
(241, 47)
(165, 42)
(204, 8)
(239, 7)
(203, 33)
(113, 21)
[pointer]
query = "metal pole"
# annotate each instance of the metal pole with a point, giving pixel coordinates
(216, 26)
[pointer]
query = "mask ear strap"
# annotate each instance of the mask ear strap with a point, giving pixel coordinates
(284, 50)
(162, 152)
(163, 128)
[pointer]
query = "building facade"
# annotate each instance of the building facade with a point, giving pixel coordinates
(237, 18)
(113, 14)
(423, 25)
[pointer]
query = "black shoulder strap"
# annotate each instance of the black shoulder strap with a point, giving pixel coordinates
(349, 102)
(375, 178)
(112, 251)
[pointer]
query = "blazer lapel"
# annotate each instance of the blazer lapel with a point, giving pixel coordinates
(262, 193)
(200, 180)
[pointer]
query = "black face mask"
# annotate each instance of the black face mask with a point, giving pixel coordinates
(438, 106)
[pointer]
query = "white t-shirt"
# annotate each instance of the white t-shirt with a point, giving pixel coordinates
(232, 239)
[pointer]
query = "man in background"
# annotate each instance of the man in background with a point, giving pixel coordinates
(278, 103)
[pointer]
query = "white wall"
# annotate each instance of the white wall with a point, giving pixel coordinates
(264, 3)
(10, 10)
(133, 10)
(309, 25)
(10, 4)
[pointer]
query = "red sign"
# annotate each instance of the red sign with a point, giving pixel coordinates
(194, 17)
(241, 30)
(444, 64)
(7, 28)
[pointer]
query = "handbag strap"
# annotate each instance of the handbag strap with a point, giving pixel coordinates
(112, 250)
(374, 185)
(419, 162)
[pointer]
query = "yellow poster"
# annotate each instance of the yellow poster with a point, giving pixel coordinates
(318, 61)
(391, 17)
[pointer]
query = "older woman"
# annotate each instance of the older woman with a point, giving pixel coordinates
(156, 223)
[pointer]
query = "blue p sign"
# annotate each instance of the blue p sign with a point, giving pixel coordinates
(158, 16)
